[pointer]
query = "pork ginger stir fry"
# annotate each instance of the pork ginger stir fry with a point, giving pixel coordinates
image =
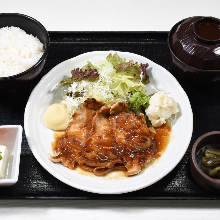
(101, 138)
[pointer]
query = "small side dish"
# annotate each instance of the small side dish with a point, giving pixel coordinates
(10, 149)
(108, 118)
(205, 160)
(18, 51)
(3, 160)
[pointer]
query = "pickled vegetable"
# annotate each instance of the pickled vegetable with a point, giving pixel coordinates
(214, 171)
(211, 161)
(213, 151)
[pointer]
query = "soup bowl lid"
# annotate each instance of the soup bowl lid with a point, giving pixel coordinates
(196, 42)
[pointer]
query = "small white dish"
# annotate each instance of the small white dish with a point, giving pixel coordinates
(11, 136)
(40, 138)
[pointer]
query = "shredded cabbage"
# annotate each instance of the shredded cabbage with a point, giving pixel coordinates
(118, 80)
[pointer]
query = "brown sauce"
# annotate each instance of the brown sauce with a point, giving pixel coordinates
(162, 138)
(56, 135)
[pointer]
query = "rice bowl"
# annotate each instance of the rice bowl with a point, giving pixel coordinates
(18, 51)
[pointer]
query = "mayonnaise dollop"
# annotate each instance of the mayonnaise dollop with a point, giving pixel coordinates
(56, 117)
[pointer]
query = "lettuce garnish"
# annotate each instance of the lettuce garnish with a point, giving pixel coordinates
(126, 78)
(123, 67)
(87, 72)
(110, 80)
(115, 60)
(123, 84)
(89, 64)
(66, 82)
(138, 101)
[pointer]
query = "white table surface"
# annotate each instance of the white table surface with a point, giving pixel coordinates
(110, 15)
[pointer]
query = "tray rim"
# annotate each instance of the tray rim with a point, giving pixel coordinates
(107, 197)
(103, 196)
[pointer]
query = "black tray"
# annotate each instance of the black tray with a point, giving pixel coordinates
(36, 183)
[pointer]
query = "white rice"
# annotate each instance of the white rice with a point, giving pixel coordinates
(18, 51)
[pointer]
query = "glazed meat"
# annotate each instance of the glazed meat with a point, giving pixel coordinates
(81, 123)
(101, 138)
(67, 148)
(134, 141)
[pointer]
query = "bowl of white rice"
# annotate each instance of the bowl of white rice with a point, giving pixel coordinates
(24, 46)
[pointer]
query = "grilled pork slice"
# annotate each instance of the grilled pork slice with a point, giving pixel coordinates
(67, 148)
(81, 122)
(133, 139)
(101, 138)
(100, 149)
